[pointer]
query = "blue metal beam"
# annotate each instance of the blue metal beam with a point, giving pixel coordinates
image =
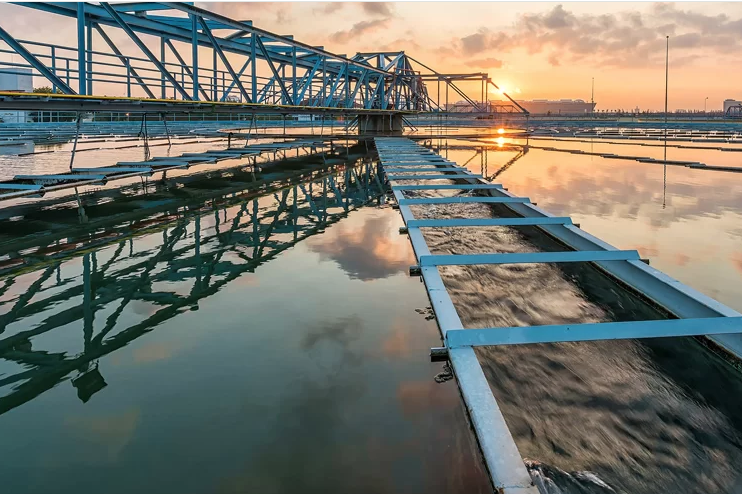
(277, 76)
(225, 61)
(121, 57)
(447, 187)
(457, 338)
(34, 62)
(467, 222)
(81, 58)
(193, 75)
(330, 97)
(239, 74)
(147, 26)
(185, 22)
(260, 32)
(116, 17)
(194, 56)
(529, 257)
(417, 170)
(309, 79)
(459, 200)
(453, 176)
(141, 6)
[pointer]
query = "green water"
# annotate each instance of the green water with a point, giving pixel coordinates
(224, 354)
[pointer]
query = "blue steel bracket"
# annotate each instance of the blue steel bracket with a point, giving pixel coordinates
(448, 186)
(142, 46)
(466, 222)
(416, 170)
(663, 328)
(413, 164)
(35, 62)
(433, 177)
(416, 201)
(529, 257)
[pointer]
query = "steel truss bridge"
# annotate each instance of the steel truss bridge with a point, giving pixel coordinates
(208, 252)
(179, 57)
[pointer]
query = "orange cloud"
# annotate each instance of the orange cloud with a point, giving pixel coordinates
(418, 397)
(736, 259)
(365, 246)
(681, 259)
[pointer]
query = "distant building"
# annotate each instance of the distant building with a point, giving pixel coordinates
(20, 81)
(536, 106)
(728, 103)
(557, 107)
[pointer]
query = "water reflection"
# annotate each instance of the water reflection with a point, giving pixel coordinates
(229, 367)
(368, 249)
(668, 213)
(126, 290)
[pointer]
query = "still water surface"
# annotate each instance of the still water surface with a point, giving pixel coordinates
(222, 354)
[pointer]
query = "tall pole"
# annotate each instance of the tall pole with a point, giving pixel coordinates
(667, 74)
(704, 104)
(81, 54)
(664, 168)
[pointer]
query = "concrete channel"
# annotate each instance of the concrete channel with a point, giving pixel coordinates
(689, 312)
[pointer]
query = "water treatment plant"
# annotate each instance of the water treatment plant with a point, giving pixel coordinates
(232, 261)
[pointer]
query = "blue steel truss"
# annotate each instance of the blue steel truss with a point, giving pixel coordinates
(247, 64)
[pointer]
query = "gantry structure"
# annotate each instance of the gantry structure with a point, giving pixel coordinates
(178, 57)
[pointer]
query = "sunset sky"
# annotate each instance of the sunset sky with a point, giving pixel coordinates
(533, 49)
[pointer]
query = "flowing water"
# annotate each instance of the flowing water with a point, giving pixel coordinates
(276, 344)
(637, 416)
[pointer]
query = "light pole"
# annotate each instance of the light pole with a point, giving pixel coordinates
(664, 165)
(704, 104)
(667, 75)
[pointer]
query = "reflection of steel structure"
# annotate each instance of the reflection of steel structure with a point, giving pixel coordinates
(246, 235)
(483, 152)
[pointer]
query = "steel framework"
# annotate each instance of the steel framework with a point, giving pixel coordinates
(199, 56)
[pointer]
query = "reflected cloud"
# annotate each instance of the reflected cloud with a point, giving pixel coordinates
(399, 342)
(681, 259)
(153, 352)
(650, 251)
(342, 331)
(110, 433)
(365, 246)
(736, 259)
(623, 189)
(419, 397)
